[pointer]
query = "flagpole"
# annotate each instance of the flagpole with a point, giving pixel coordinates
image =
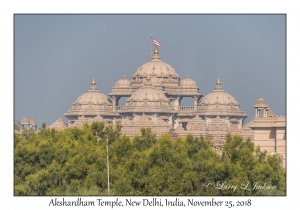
(151, 43)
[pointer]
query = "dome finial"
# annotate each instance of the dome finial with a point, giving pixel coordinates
(148, 78)
(218, 82)
(156, 52)
(93, 82)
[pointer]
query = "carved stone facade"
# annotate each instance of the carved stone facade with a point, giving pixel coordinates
(59, 124)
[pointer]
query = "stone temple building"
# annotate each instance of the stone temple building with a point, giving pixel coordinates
(154, 93)
(154, 99)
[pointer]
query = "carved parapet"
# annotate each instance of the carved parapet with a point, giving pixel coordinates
(272, 119)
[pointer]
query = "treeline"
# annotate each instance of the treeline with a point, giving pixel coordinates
(73, 162)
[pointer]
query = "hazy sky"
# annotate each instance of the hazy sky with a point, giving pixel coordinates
(56, 57)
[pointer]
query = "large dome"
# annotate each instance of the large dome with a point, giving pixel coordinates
(93, 96)
(219, 96)
(218, 102)
(90, 102)
(148, 99)
(148, 93)
(155, 67)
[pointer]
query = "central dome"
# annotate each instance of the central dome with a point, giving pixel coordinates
(148, 93)
(148, 99)
(155, 67)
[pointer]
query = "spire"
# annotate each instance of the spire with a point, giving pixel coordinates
(93, 87)
(218, 82)
(156, 52)
(93, 82)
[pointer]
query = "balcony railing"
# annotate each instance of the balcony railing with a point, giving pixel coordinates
(186, 108)
(119, 108)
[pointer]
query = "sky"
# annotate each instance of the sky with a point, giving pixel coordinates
(57, 56)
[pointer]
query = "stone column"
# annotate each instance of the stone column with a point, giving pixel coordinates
(114, 103)
(195, 103)
(177, 103)
(117, 100)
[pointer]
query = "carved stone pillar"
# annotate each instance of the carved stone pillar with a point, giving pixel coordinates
(114, 103)
(177, 103)
(195, 103)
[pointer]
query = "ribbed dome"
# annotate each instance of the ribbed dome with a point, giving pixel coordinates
(156, 67)
(148, 93)
(219, 96)
(123, 82)
(188, 82)
(92, 96)
(148, 99)
(218, 102)
(90, 103)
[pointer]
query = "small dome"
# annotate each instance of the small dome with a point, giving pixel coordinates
(25, 121)
(260, 103)
(123, 82)
(32, 122)
(188, 82)
(156, 67)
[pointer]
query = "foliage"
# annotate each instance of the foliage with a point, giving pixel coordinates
(17, 125)
(73, 162)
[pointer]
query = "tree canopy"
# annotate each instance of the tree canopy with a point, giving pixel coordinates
(73, 162)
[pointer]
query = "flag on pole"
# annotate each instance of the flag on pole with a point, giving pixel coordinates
(156, 43)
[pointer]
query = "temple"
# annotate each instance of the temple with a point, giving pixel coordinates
(155, 92)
